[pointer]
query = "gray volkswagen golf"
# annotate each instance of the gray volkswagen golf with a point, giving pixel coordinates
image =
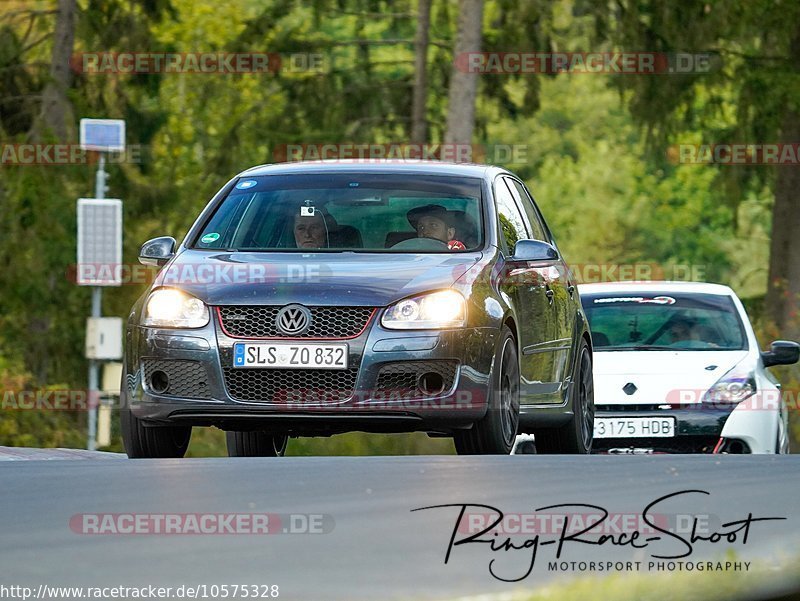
(310, 299)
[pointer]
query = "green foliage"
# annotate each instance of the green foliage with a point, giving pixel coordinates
(23, 426)
(586, 165)
(753, 83)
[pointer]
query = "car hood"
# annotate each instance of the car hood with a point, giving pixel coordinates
(659, 377)
(353, 279)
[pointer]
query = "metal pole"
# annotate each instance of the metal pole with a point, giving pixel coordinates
(97, 311)
(94, 369)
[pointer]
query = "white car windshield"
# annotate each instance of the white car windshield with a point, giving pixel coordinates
(663, 321)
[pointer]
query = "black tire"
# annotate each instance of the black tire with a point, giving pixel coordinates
(496, 432)
(463, 443)
(575, 437)
(146, 442)
(255, 444)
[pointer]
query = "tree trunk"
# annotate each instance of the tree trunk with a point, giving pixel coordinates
(464, 86)
(783, 289)
(419, 123)
(56, 112)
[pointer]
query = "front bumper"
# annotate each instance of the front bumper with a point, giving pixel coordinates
(697, 430)
(206, 390)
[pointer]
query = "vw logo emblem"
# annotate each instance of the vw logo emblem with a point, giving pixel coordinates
(293, 320)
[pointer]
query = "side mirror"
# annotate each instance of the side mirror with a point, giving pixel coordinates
(157, 251)
(781, 352)
(534, 250)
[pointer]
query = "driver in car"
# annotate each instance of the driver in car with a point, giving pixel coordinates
(437, 223)
(681, 330)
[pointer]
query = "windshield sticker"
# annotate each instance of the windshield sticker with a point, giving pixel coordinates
(244, 185)
(209, 238)
(656, 300)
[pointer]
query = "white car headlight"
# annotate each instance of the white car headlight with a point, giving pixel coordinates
(171, 308)
(733, 387)
(445, 309)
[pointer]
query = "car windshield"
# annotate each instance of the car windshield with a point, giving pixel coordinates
(663, 321)
(348, 212)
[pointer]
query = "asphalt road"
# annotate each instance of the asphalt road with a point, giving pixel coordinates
(374, 546)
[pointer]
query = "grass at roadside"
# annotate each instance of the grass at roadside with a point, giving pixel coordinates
(210, 442)
(779, 581)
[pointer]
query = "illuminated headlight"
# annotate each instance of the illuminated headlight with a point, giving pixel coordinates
(170, 308)
(445, 309)
(732, 388)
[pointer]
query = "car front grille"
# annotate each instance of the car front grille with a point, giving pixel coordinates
(403, 378)
(290, 385)
(326, 322)
(187, 379)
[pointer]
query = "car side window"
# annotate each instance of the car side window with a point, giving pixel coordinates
(537, 227)
(512, 223)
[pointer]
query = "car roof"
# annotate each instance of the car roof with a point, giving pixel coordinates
(376, 165)
(655, 286)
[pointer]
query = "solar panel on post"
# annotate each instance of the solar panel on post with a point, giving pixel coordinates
(99, 242)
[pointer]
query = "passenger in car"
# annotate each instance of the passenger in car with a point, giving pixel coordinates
(321, 230)
(312, 231)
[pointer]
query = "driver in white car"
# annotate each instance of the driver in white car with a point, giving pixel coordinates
(684, 331)
(681, 330)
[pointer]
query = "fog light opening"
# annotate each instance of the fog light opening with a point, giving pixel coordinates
(735, 447)
(731, 446)
(431, 383)
(159, 382)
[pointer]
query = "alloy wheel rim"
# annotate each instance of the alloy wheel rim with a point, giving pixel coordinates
(507, 393)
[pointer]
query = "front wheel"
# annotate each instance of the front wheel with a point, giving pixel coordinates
(496, 432)
(256, 444)
(146, 442)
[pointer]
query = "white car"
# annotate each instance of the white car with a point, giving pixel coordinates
(677, 368)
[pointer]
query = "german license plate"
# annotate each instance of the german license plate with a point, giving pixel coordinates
(292, 356)
(634, 427)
